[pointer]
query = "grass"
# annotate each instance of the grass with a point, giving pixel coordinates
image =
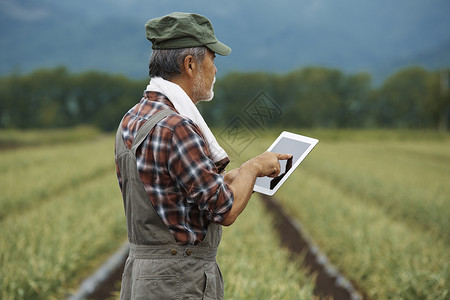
(407, 180)
(377, 203)
(62, 216)
(253, 264)
(386, 257)
(46, 249)
(32, 175)
(14, 138)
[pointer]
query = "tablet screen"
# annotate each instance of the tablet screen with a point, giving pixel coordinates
(298, 146)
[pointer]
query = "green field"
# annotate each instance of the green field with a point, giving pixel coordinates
(378, 204)
(61, 216)
(375, 202)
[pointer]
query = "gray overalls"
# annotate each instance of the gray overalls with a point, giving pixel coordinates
(157, 267)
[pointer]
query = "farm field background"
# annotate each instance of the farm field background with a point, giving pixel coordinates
(376, 202)
(62, 217)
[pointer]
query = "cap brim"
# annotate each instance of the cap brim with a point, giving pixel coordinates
(219, 48)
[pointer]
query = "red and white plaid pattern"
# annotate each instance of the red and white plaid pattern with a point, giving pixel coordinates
(174, 163)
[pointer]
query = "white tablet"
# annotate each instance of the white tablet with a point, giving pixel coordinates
(290, 143)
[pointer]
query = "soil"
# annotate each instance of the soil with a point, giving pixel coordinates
(291, 238)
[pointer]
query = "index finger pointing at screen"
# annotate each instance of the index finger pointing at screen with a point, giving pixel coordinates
(281, 156)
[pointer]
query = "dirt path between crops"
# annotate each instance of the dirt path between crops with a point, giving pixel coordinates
(330, 284)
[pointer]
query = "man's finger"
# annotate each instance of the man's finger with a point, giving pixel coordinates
(275, 173)
(281, 156)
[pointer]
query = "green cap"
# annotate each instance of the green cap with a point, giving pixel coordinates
(183, 30)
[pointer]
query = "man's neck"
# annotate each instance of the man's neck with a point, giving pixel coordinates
(186, 85)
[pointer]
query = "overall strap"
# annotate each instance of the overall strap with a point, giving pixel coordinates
(147, 127)
(149, 229)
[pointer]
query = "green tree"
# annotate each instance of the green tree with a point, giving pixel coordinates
(308, 97)
(314, 97)
(355, 101)
(46, 94)
(401, 97)
(437, 101)
(233, 93)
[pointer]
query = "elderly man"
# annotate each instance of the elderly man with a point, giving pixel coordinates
(171, 169)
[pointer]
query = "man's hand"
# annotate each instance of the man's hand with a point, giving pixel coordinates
(267, 163)
(243, 179)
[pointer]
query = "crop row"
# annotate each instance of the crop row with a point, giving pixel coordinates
(377, 206)
(64, 216)
(30, 176)
(408, 180)
(386, 257)
(46, 248)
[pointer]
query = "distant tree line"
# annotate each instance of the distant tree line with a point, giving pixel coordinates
(308, 97)
(50, 98)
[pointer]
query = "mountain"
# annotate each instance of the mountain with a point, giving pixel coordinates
(278, 36)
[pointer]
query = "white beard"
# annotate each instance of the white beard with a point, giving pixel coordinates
(199, 89)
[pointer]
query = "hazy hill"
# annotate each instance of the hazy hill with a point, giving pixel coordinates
(352, 35)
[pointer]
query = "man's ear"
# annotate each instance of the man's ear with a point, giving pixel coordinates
(189, 65)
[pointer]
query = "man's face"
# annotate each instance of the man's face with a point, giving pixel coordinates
(205, 78)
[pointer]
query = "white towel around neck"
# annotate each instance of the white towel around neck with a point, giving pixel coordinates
(184, 105)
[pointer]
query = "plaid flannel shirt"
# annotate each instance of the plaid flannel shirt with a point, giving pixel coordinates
(183, 183)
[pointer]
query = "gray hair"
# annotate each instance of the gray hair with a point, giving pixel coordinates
(167, 63)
